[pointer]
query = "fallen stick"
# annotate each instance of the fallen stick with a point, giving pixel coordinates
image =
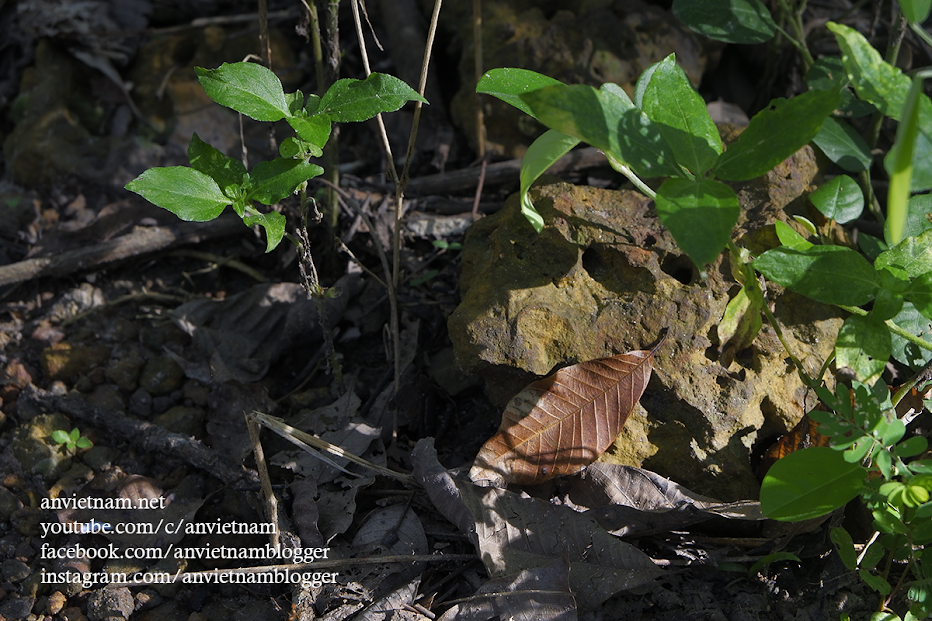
(142, 240)
(145, 435)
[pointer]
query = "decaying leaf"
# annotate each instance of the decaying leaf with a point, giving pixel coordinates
(539, 594)
(804, 435)
(562, 423)
(393, 530)
(512, 533)
(628, 501)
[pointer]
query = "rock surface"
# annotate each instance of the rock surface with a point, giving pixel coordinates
(604, 277)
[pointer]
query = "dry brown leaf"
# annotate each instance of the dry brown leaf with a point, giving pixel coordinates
(538, 594)
(562, 423)
(628, 501)
(512, 533)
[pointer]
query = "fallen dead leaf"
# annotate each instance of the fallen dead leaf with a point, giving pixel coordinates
(512, 533)
(562, 423)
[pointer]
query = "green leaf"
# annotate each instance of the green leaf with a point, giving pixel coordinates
(840, 199)
(742, 320)
(188, 193)
(809, 483)
(60, 436)
(541, 155)
(919, 292)
(871, 246)
(775, 133)
(248, 88)
(699, 215)
(731, 21)
(843, 145)
(359, 100)
(918, 212)
(313, 130)
(916, 11)
(273, 180)
(274, 225)
(74, 435)
(607, 121)
(829, 274)
(845, 546)
(295, 102)
(887, 88)
(226, 171)
(863, 345)
(294, 147)
(829, 72)
(509, 84)
(673, 104)
(84, 443)
(911, 320)
(790, 238)
(913, 255)
(912, 446)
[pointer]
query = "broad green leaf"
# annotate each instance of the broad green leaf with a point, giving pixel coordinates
(887, 303)
(829, 274)
(919, 292)
(273, 180)
(351, 100)
(294, 147)
(887, 88)
(731, 21)
(809, 483)
(871, 246)
(790, 238)
(509, 84)
(742, 320)
(915, 11)
(843, 145)
(912, 446)
(918, 213)
(541, 155)
(913, 255)
(295, 102)
(274, 225)
(60, 436)
(776, 133)
(679, 112)
(313, 130)
(84, 443)
(840, 199)
(188, 193)
(248, 88)
(226, 171)
(845, 546)
(863, 345)
(699, 215)
(607, 121)
(829, 72)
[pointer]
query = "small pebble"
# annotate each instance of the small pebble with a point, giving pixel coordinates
(140, 403)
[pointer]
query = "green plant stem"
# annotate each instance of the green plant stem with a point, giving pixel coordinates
(633, 178)
(922, 34)
(921, 377)
(798, 39)
(895, 329)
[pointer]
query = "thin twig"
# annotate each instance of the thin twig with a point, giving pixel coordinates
(268, 495)
(308, 442)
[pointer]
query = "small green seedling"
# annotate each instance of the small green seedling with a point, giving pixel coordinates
(71, 441)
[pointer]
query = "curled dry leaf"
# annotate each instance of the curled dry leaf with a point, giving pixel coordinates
(562, 423)
(512, 533)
